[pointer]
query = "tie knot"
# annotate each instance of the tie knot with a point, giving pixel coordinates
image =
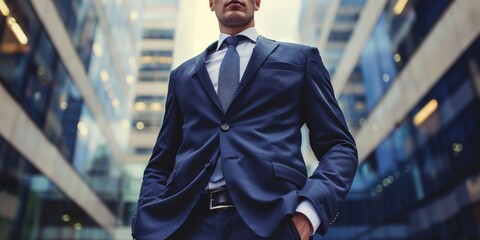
(233, 40)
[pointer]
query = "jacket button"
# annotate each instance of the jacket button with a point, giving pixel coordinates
(207, 164)
(225, 127)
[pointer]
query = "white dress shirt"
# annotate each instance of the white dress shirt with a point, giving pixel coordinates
(245, 49)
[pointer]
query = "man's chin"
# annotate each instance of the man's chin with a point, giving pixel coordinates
(236, 19)
(235, 15)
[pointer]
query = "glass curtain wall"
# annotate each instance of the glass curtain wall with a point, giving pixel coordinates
(399, 31)
(417, 183)
(31, 207)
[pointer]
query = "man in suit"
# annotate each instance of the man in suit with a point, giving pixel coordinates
(227, 162)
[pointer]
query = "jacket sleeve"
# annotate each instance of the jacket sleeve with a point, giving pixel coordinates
(162, 161)
(331, 142)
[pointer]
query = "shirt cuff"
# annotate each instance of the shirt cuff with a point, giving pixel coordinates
(307, 209)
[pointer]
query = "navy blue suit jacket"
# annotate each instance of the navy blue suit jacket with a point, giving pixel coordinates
(284, 87)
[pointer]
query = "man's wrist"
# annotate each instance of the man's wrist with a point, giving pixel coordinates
(303, 225)
(306, 208)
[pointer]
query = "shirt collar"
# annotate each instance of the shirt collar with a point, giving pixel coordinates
(251, 33)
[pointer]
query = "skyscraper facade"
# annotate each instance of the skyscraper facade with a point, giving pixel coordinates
(159, 19)
(66, 71)
(328, 25)
(408, 82)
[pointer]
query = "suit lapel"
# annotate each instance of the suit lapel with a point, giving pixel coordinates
(262, 50)
(202, 73)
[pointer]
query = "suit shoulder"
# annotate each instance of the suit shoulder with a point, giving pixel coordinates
(296, 46)
(185, 68)
(293, 49)
(305, 50)
(185, 65)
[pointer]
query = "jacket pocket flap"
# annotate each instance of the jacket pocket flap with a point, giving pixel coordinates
(283, 66)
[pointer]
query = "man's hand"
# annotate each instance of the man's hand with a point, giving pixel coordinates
(303, 225)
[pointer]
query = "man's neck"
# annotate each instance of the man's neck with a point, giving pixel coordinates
(232, 31)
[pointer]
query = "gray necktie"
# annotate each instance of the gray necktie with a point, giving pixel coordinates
(228, 80)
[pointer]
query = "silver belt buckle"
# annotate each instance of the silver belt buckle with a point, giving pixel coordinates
(219, 206)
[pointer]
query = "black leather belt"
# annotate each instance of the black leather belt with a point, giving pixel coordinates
(219, 199)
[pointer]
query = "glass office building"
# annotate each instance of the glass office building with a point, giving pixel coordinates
(155, 62)
(328, 25)
(66, 84)
(409, 84)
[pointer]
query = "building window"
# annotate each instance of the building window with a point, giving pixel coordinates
(39, 79)
(19, 28)
(31, 195)
(63, 113)
(339, 36)
(80, 21)
(143, 151)
(165, 34)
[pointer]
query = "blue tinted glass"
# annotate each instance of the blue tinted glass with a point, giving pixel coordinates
(40, 79)
(15, 56)
(36, 208)
(414, 180)
(64, 113)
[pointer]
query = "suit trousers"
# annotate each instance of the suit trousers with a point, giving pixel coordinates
(226, 224)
